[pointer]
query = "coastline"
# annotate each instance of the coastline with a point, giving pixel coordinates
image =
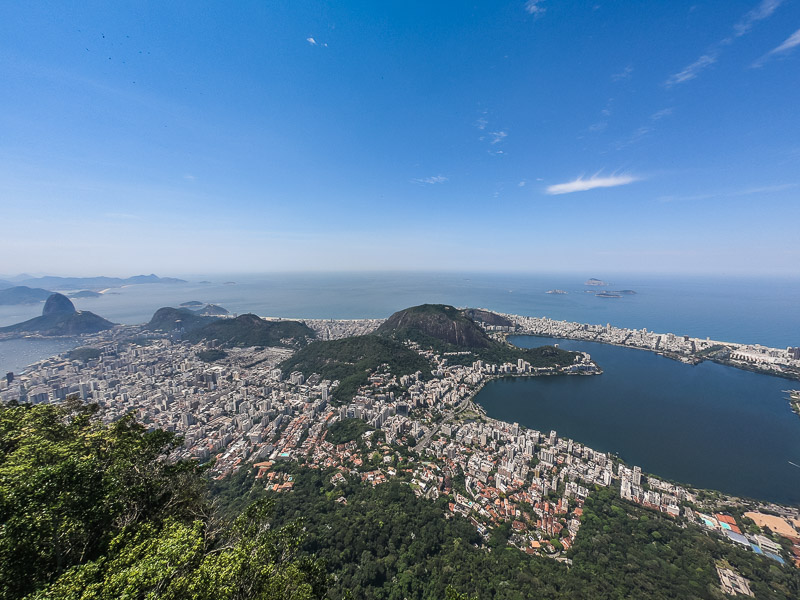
(751, 357)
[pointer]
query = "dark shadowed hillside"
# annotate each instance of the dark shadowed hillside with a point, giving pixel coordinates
(252, 330)
(435, 322)
(170, 319)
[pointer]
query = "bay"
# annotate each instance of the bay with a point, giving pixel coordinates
(17, 354)
(708, 425)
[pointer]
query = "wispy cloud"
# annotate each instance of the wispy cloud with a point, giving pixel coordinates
(534, 7)
(602, 123)
(624, 74)
(787, 46)
(694, 69)
(595, 181)
(636, 136)
(311, 41)
(767, 189)
(497, 136)
(481, 123)
(660, 114)
(430, 180)
(189, 177)
(645, 129)
(764, 10)
(522, 183)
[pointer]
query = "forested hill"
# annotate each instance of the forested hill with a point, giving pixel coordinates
(445, 329)
(251, 330)
(431, 323)
(170, 319)
(351, 361)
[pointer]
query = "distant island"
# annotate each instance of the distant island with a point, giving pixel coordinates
(556, 292)
(192, 303)
(212, 310)
(596, 282)
(85, 294)
(608, 295)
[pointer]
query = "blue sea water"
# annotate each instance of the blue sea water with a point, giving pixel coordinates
(709, 425)
(742, 310)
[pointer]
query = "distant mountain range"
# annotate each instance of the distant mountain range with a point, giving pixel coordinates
(59, 317)
(22, 294)
(79, 283)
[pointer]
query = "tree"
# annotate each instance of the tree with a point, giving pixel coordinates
(89, 511)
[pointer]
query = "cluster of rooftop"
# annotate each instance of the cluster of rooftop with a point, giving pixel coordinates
(243, 410)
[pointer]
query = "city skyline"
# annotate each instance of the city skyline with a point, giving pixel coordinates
(517, 136)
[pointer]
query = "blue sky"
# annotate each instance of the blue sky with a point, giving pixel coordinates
(534, 136)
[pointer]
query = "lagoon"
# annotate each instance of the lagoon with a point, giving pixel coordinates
(707, 425)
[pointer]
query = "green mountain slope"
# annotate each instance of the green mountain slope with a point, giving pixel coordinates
(251, 330)
(351, 360)
(446, 329)
(431, 323)
(169, 319)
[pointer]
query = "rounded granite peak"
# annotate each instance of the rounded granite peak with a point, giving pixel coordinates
(58, 304)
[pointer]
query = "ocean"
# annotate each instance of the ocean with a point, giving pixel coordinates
(732, 309)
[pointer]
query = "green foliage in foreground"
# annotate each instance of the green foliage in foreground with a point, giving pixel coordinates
(351, 361)
(89, 511)
(388, 544)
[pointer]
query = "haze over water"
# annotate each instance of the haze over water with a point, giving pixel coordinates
(730, 309)
(708, 425)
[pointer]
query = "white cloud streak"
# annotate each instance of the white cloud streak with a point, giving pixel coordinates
(311, 41)
(764, 10)
(497, 137)
(535, 8)
(582, 185)
(759, 13)
(430, 180)
(787, 46)
(694, 69)
(658, 115)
